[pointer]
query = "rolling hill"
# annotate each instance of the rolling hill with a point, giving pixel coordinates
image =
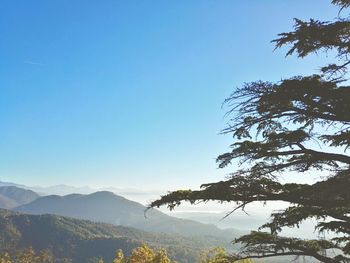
(110, 208)
(81, 240)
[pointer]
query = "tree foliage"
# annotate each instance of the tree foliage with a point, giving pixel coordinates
(27, 256)
(215, 255)
(219, 255)
(298, 125)
(143, 254)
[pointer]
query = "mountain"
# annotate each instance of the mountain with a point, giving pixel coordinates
(110, 208)
(2, 183)
(6, 202)
(61, 189)
(80, 240)
(12, 196)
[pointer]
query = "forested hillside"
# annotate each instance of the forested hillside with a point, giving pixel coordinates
(81, 240)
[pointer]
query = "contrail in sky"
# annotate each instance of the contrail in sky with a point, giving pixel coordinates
(33, 63)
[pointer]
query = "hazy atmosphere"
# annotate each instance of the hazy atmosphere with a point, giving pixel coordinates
(174, 131)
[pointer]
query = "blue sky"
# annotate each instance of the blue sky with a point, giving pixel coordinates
(129, 93)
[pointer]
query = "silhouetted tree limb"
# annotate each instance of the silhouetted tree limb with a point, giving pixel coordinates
(297, 125)
(262, 245)
(331, 193)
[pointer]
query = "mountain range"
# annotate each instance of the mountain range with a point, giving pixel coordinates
(110, 208)
(81, 226)
(63, 189)
(104, 207)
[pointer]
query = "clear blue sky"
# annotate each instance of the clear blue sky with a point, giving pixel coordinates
(129, 93)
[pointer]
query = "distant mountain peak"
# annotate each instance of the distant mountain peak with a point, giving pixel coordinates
(13, 196)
